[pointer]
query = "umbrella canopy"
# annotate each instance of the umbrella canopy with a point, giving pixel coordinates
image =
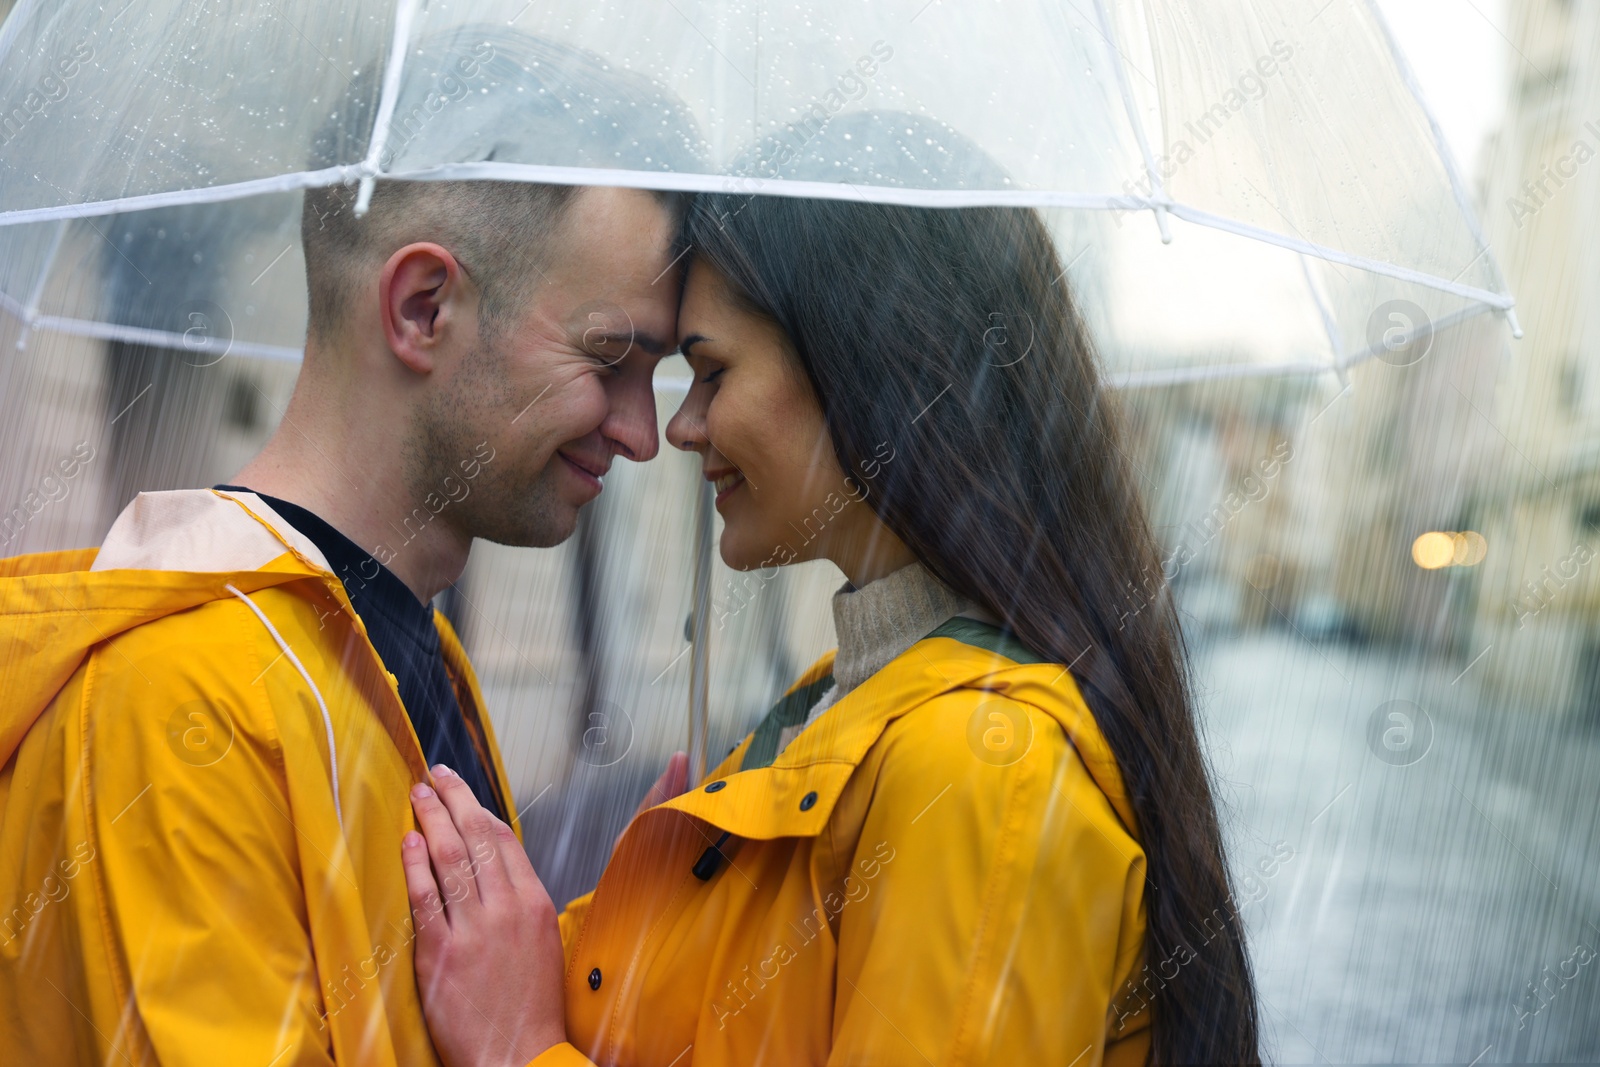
(1236, 188)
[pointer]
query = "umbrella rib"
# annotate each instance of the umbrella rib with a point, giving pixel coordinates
(405, 10)
(30, 311)
(695, 182)
(1329, 325)
(1443, 322)
(210, 194)
(1446, 157)
(1158, 192)
(724, 183)
(1179, 375)
(671, 386)
(699, 182)
(1498, 301)
(138, 335)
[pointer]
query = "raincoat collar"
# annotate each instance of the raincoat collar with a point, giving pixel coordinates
(796, 794)
(198, 530)
(167, 552)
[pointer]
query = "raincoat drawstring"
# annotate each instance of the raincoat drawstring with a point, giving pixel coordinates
(327, 721)
(711, 859)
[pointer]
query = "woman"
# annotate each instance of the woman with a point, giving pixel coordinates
(982, 832)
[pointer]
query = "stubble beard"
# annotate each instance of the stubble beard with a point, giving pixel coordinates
(507, 500)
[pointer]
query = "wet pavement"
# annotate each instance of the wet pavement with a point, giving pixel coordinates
(1442, 900)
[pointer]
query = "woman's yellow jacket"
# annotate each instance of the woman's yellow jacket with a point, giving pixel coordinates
(943, 868)
(177, 885)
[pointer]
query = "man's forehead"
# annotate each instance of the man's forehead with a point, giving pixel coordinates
(622, 237)
(611, 279)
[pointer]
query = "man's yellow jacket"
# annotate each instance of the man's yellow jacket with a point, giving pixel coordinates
(204, 770)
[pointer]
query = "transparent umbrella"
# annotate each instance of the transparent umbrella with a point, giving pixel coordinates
(1281, 148)
(1237, 189)
(1319, 218)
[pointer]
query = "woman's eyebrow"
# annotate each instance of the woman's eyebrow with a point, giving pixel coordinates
(689, 342)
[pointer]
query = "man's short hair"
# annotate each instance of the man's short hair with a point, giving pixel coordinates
(497, 230)
(479, 93)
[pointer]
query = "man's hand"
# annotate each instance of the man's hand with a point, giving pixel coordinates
(488, 948)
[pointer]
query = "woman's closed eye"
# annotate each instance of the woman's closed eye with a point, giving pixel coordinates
(706, 370)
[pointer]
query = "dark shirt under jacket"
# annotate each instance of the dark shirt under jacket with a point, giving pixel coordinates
(401, 628)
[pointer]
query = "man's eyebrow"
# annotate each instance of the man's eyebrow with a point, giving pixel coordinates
(648, 342)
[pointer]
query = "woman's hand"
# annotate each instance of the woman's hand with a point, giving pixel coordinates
(673, 781)
(488, 948)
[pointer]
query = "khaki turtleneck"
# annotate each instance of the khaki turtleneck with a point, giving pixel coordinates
(878, 622)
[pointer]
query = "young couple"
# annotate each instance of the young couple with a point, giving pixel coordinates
(980, 832)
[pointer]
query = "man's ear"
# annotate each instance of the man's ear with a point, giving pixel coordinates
(421, 295)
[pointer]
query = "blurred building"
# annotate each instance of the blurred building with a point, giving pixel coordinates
(1494, 443)
(1538, 603)
(1295, 502)
(1224, 474)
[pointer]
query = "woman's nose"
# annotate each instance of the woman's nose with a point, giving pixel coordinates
(686, 428)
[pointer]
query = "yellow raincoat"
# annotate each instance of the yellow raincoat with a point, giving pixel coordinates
(941, 869)
(184, 877)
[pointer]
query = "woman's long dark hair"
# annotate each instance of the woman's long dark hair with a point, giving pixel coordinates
(950, 333)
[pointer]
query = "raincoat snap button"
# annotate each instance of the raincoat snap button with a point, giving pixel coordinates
(715, 786)
(808, 801)
(594, 978)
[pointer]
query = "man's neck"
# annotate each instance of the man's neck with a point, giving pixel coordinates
(356, 483)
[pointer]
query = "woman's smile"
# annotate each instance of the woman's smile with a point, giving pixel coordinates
(725, 483)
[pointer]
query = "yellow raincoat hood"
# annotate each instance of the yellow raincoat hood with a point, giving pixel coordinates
(204, 769)
(54, 609)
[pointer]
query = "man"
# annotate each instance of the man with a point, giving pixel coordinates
(209, 728)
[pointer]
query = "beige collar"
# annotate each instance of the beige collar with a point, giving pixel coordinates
(882, 619)
(200, 530)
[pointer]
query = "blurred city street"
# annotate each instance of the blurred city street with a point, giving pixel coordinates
(1424, 902)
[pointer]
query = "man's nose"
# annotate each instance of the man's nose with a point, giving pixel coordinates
(631, 423)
